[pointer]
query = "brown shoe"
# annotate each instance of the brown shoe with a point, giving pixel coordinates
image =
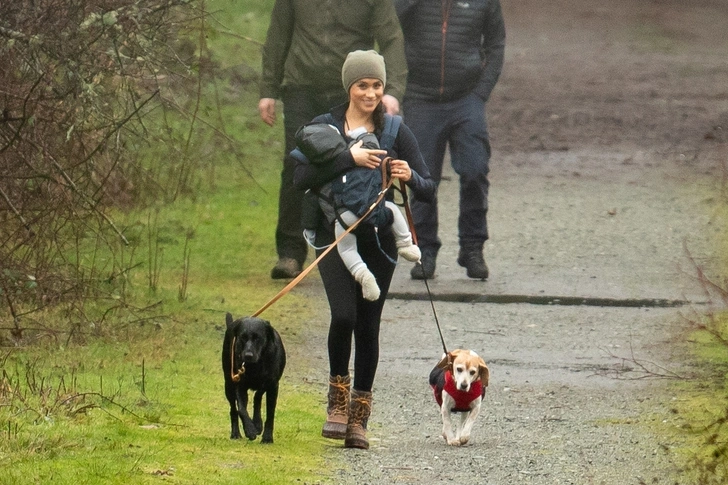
(338, 408)
(359, 410)
(285, 269)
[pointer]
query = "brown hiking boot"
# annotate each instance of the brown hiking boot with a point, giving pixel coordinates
(359, 410)
(338, 408)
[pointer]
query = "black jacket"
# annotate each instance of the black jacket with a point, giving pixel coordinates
(453, 47)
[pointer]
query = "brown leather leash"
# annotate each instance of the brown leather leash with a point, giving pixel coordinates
(387, 182)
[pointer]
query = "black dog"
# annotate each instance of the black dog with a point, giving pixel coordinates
(253, 357)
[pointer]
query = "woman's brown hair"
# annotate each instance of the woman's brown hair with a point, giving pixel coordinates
(378, 118)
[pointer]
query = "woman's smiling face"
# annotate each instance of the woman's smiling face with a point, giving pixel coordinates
(365, 94)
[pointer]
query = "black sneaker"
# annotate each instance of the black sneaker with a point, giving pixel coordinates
(425, 269)
(472, 260)
(285, 269)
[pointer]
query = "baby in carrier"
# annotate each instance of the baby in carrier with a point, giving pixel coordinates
(346, 216)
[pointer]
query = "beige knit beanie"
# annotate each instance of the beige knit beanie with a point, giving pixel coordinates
(363, 64)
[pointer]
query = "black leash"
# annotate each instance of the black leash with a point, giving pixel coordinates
(434, 312)
(405, 201)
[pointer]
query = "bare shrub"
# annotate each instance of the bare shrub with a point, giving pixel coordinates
(78, 81)
(710, 462)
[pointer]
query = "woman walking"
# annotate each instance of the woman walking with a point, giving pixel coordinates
(355, 320)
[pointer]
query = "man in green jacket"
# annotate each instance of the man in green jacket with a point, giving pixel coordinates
(306, 45)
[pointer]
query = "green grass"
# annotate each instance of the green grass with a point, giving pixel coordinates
(139, 401)
(149, 405)
(177, 428)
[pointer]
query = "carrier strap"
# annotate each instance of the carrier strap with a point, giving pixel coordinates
(386, 184)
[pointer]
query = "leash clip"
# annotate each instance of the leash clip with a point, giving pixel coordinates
(236, 377)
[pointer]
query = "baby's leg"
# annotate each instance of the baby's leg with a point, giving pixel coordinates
(352, 260)
(402, 235)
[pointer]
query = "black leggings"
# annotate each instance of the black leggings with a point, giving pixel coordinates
(351, 314)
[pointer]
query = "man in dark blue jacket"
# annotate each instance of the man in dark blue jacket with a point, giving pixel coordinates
(454, 52)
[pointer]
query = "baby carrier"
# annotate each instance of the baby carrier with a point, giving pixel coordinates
(354, 190)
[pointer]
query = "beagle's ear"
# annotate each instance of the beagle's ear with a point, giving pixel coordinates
(446, 361)
(483, 372)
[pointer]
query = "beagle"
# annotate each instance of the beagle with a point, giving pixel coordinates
(459, 381)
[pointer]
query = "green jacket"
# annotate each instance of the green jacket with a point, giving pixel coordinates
(308, 40)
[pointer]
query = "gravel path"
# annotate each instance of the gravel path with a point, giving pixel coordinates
(598, 193)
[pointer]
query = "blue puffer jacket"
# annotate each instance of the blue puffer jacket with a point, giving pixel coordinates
(453, 47)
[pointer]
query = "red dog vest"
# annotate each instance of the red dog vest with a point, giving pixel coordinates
(462, 398)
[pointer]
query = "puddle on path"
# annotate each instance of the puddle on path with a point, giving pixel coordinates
(544, 300)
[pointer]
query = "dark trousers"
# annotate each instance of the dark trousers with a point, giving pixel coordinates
(354, 319)
(461, 124)
(300, 105)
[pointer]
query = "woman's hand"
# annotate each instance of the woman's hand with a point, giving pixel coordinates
(364, 157)
(401, 170)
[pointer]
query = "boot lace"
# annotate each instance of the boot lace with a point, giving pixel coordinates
(339, 395)
(361, 408)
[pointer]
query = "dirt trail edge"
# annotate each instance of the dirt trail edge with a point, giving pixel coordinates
(609, 138)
